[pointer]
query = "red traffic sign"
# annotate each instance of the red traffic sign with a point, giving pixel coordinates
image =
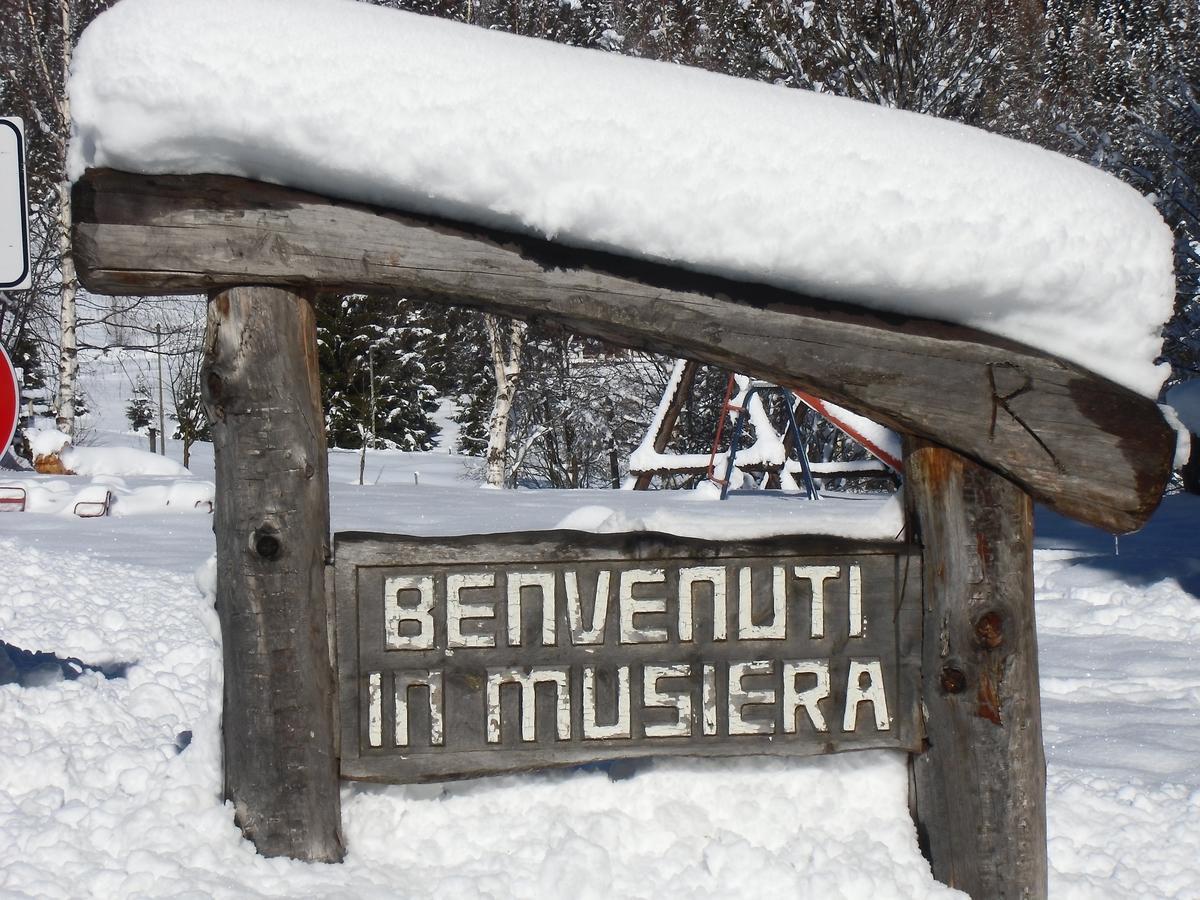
(10, 401)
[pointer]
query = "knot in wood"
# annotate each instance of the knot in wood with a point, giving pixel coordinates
(214, 385)
(953, 680)
(266, 542)
(989, 630)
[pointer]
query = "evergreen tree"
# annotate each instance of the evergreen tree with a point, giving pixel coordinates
(374, 380)
(140, 411)
(468, 378)
(941, 57)
(1121, 86)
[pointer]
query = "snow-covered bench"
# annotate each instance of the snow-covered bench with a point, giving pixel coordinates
(93, 502)
(12, 498)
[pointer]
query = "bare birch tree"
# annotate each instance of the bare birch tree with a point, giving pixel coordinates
(36, 43)
(507, 340)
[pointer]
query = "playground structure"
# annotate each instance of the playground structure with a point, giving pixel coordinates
(769, 458)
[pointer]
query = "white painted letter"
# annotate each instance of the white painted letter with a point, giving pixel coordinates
(679, 700)
(394, 613)
(529, 682)
(856, 613)
(631, 606)
(817, 575)
(873, 692)
(594, 633)
(809, 698)
(374, 710)
(739, 697)
(619, 729)
(690, 576)
(431, 679)
(545, 582)
(708, 699)
(457, 610)
(777, 629)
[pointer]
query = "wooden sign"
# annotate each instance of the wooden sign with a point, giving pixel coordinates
(472, 655)
(462, 656)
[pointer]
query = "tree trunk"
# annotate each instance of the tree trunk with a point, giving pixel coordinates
(262, 393)
(981, 782)
(68, 362)
(506, 345)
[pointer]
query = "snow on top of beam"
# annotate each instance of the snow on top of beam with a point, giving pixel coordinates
(830, 197)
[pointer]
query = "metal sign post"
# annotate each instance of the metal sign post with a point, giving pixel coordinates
(14, 218)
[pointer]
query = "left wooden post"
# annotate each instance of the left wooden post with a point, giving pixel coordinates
(262, 392)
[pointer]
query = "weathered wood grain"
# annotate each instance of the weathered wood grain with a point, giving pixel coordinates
(382, 647)
(981, 782)
(1087, 447)
(261, 390)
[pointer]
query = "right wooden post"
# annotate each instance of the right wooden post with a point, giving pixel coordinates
(980, 785)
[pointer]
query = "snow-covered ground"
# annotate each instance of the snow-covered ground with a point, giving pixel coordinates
(111, 788)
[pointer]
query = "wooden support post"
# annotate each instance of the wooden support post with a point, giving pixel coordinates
(665, 427)
(981, 782)
(262, 392)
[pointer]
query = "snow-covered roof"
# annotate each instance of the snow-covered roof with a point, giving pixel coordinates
(831, 197)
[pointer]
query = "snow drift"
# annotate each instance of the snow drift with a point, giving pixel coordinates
(808, 192)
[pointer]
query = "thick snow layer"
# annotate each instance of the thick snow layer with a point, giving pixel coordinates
(119, 461)
(46, 441)
(818, 194)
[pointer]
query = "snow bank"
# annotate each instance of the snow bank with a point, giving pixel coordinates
(46, 441)
(875, 518)
(103, 794)
(818, 194)
(432, 510)
(132, 496)
(120, 461)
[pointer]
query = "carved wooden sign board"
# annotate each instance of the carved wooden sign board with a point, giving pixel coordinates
(482, 654)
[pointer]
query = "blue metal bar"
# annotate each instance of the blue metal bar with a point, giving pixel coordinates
(801, 445)
(735, 438)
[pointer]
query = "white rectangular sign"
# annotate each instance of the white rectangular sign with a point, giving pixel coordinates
(14, 220)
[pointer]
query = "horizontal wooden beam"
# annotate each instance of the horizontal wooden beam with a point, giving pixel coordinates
(1087, 447)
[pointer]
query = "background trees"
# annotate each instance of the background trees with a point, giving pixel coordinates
(376, 384)
(36, 43)
(1114, 82)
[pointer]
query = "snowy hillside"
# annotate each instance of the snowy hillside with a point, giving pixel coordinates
(111, 788)
(839, 199)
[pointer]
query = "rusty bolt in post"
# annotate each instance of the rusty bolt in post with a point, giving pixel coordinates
(953, 680)
(989, 630)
